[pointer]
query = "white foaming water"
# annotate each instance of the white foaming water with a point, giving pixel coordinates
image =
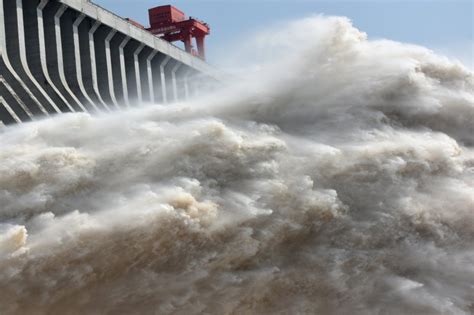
(338, 180)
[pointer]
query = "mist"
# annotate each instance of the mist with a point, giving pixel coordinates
(337, 177)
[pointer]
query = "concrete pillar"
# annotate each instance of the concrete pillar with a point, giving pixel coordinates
(30, 104)
(42, 56)
(186, 80)
(50, 53)
(149, 67)
(77, 53)
(60, 56)
(73, 34)
(114, 53)
(104, 72)
(84, 64)
(143, 78)
(136, 62)
(123, 70)
(10, 97)
(110, 75)
(51, 106)
(174, 80)
(92, 53)
(129, 71)
(13, 116)
(164, 90)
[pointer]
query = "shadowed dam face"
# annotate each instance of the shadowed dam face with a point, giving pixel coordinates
(337, 180)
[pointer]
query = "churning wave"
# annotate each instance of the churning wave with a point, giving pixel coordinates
(337, 180)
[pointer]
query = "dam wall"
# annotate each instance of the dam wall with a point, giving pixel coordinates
(59, 56)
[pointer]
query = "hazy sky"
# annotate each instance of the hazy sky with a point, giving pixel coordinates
(446, 26)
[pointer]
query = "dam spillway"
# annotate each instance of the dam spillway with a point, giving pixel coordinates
(60, 56)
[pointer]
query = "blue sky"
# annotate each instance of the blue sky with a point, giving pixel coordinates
(446, 26)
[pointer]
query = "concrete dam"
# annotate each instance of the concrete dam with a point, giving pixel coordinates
(61, 56)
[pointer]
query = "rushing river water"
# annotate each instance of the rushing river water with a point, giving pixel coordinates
(339, 180)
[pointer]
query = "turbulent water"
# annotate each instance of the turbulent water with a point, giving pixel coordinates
(338, 179)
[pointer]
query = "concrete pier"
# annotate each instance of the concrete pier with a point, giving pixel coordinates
(59, 56)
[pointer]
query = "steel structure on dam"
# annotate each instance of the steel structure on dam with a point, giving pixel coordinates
(71, 55)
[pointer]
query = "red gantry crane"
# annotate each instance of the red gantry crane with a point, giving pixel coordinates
(172, 25)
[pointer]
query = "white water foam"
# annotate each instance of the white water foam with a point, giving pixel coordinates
(339, 179)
